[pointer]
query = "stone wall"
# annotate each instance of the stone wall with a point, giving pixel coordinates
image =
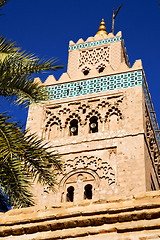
(120, 155)
(136, 217)
(117, 159)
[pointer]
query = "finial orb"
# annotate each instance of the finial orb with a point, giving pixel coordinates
(102, 28)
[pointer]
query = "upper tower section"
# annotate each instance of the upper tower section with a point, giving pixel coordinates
(98, 55)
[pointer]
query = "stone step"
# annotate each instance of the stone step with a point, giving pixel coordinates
(80, 221)
(119, 216)
(78, 232)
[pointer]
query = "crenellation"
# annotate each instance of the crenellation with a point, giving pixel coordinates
(71, 42)
(80, 41)
(50, 80)
(90, 39)
(38, 81)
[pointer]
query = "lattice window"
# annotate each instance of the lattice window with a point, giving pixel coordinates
(94, 56)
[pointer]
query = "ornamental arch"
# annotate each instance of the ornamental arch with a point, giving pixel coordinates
(76, 181)
(84, 170)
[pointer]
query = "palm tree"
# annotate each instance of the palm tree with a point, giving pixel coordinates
(23, 157)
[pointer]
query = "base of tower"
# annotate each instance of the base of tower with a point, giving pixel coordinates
(133, 217)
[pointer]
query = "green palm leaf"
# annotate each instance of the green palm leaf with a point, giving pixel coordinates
(3, 2)
(16, 67)
(23, 158)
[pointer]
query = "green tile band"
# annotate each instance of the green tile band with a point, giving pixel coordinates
(95, 85)
(96, 43)
(102, 84)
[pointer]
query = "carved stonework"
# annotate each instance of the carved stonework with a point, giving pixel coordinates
(98, 57)
(82, 111)
(151, 138)
(99, 166)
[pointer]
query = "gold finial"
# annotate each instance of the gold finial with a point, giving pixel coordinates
(102, 28)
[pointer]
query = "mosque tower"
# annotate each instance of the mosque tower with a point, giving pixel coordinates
(100, 119)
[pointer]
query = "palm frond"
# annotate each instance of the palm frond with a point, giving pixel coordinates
(23, 157)
(16, 68)
(13, 178)
(7, 47)
(3, 2)
(39, 158)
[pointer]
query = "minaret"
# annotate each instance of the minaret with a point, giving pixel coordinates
(100, 119)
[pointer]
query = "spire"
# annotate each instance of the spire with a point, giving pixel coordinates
(102, 28)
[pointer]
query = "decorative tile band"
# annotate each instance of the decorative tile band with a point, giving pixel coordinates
(96, 43)
(104, 84)
(95, 85)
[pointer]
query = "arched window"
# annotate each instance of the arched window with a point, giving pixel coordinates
(73, 127)
(70, 194)
(93, 125)
(88, 191)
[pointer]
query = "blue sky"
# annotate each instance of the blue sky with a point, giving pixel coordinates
(45, 28)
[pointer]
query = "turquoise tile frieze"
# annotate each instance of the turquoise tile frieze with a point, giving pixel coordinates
(96, 43)
(103, 84)
(95, 85)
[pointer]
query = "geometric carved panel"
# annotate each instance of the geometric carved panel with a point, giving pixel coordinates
(94, 56)
(102, 168)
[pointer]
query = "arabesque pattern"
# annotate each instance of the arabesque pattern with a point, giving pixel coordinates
(94, 56)
(82, 111)
(95, 85)
(102, 168)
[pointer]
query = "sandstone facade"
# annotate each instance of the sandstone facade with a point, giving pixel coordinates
(101, 120)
